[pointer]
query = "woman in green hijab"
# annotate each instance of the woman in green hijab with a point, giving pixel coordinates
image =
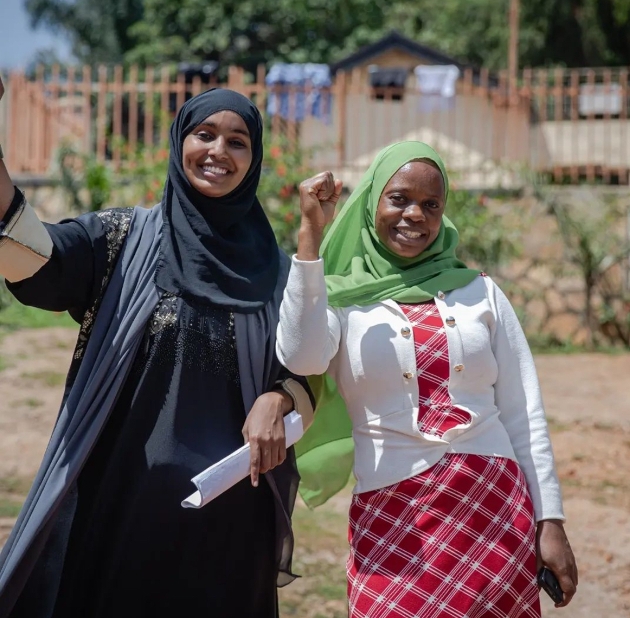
(427, 390)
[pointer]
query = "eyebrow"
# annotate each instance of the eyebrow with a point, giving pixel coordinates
(405, 188)
(212, 125)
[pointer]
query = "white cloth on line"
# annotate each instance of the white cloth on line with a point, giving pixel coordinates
(437, 85)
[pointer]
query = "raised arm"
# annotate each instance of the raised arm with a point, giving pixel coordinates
(57, 267)
(25, 245)
(309, 331)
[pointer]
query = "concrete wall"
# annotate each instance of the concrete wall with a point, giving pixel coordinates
(588, 142)
(477, 141)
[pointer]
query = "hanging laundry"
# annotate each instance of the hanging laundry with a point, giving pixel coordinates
(437, 85)
(302, 91)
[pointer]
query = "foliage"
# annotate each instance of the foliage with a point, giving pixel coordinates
(587, 229)
(476, 30)
(86, 181)
(143, 174)
(262, 31)
(284, 168)
(99, 30)
(484, 238)
(254, 31)
(15, 316)
(5, 296)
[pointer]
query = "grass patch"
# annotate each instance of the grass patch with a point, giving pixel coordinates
(18, 485)
(9, 508)
(30, 402)
(17, 316)
(555, 425)
(49, 378)
(321, 549)
(548, 344)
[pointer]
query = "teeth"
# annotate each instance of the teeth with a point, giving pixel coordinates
(214, 170)
(410, 235)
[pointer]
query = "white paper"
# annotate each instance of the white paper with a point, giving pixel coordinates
(219, 477)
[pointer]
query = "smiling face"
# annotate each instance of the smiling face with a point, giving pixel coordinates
(217, 154)
(410, 209)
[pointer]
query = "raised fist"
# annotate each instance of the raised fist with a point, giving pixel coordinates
(318, 198)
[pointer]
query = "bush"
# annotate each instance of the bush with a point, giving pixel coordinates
(5, 296)
(284, 168)
(87, 182)
(485, 240)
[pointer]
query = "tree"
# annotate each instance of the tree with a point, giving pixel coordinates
(552, 32)
(98, 29)
(254, 31)
(572, 33)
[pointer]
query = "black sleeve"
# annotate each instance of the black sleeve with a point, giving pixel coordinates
(285, 374)
(15, 203)
(71, 279)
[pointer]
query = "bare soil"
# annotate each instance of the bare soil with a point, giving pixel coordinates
(588, 405)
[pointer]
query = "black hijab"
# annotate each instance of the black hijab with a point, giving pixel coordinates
(217, 251)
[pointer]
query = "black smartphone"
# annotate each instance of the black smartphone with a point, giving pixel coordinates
(549, 583)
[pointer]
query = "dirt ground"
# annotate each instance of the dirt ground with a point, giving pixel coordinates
(588, 406)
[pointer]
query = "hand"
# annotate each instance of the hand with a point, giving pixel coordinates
(264, 430)
(554, 552)
(318, 198)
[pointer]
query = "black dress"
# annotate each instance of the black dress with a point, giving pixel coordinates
(133, 550)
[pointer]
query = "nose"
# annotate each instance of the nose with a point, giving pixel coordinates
(218, 148)
(414, 212)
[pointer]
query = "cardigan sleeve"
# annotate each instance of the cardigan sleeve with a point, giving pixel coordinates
(519, 400)
(309, 331)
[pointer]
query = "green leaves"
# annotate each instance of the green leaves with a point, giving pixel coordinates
(552, 32)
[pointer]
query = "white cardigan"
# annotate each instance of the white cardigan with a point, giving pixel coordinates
(370, 353)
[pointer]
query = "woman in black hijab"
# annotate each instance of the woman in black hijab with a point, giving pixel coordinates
(217, 247)
(203, 378)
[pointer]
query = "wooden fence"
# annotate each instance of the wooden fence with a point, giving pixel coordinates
(572, 124)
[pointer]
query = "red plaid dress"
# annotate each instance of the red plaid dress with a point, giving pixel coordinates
(456, 541)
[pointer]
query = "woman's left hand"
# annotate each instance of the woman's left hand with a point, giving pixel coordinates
(554, 552)
(264, 430)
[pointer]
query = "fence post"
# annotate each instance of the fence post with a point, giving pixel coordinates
(133, 88)
(101, 114)
(341, 98)
(117, 115)
(261, 91)
(149, 76)
(87, 108)
(5, 125)
(624, 176)
(236, 78)
(40, 136)
(164, 106)
(575, 96)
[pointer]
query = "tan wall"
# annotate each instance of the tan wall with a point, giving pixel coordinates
(472, 135)
(588, 142)
(546, 289)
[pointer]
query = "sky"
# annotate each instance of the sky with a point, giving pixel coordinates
(19, 42)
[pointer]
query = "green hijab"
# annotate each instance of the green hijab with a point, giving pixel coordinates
(360, 270)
